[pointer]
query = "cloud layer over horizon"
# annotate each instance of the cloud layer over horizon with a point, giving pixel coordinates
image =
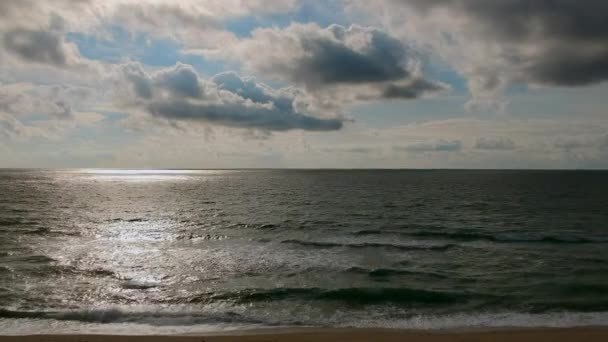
(308, 80)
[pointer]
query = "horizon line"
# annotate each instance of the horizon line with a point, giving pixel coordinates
(301, 168)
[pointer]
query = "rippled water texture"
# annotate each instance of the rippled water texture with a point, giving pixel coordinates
(339, 248)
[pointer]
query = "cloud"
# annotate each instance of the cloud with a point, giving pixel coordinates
(570, 144)
(438, 146)
(494, 144)
(163, 13)
(568, 39)
(411, 90)
(43, 46)
(10, 127)
(197, 25)
(63, 110)
(498, 43)
(56, 101)
(181, 81)
(33, 32)
(331, 67)
(242, 115)
(227, 99)
(336, 62)
(334, 59)
(354, 150)
(30, 13)
(36, 46)
(212, 8)
(178, 81)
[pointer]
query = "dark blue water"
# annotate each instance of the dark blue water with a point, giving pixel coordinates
(84, 250)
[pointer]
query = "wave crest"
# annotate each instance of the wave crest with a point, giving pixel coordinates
(322, 244)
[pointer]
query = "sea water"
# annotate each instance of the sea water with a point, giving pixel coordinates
(183, 251)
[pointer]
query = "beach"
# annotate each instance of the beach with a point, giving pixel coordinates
(590, 334)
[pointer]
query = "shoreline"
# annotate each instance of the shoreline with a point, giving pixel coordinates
(590, 334)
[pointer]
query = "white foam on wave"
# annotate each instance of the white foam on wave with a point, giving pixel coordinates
(490, 320)
(18, 327)
(12, 326)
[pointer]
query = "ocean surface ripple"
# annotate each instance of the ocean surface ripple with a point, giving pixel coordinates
(221, 249)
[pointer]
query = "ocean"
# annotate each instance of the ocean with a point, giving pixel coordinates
(172, 251)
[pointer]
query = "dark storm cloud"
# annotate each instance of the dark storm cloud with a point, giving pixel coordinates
(565, 66)
(178, 93)
(494, 144)
(569, 37)
(521, 19)
(36, 46)
(412, 90)
(332, 61)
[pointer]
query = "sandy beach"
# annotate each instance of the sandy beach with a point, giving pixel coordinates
(350, 335)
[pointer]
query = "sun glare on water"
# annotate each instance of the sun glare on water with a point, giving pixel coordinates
(144, 175)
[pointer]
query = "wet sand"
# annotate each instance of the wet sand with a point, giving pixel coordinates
(348, 335)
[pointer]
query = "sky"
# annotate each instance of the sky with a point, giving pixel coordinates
(304, 84)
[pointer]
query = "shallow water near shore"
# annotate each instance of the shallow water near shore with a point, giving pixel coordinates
(170, 251)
